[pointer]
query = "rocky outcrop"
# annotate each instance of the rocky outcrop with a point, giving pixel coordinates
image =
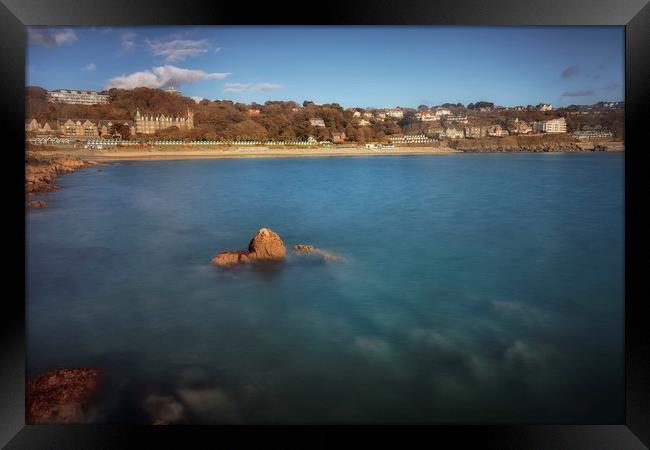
(308, 249)
(524, 143)
(62, 396)
(42, 170)
(266, 245)
(230, 258)
(36, 204)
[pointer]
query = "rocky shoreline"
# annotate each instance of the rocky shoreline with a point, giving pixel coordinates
(41, 172)
(533, 144)
(62, 396)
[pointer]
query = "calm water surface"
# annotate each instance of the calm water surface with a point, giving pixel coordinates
(474, 288)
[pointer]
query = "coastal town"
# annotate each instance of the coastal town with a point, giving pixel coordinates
(72, 118)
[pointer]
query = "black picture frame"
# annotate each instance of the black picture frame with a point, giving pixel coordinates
(15, 15)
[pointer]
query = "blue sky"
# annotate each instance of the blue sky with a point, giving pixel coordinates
(353, 66)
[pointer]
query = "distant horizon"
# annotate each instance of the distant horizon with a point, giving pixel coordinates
(365, 67)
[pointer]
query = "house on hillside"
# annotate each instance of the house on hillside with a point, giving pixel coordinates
(519, 127)
(496, 130)
(455, 118)
(396, 113)
(33, 126)
(426, 116)
(453, 133)
(474, 132)
(338, 137)
(551, 126)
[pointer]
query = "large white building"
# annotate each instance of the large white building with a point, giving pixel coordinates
(453, 133)
(455, 118)
(551, 126)
(77, 97)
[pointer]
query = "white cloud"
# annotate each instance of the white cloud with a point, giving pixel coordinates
(178, 49)
(257, 87)
(52, 37)
(90, 67)
(127, 41)
(196, 98)
(162, 76)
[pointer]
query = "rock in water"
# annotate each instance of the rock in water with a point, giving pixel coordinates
(227, 259)
(308, 249)
(62, 396)
(304, 248)
(266, 244)
(36, 204)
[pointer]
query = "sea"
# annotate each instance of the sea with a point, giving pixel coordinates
(467, 288)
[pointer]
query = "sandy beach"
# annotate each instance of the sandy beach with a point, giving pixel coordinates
(162, 153)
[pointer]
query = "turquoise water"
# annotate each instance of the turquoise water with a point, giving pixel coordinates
(473, 288)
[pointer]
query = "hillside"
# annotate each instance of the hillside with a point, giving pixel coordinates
(282, 120)
(219, 119)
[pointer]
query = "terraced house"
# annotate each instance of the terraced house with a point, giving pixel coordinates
(34, 126)
(78, 128)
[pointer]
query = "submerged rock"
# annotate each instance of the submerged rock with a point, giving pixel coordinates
(36, 204)
(164, 409)
(304, 248)
(308, 249)
(62, 396)
(209, 404)
(266, 245)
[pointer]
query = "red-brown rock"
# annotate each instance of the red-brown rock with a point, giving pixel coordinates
(266, 245)
(308, 249)
(62, 396)
(42, 170)
(36, 204)
(228, 259)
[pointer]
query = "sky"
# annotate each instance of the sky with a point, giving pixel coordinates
(353, 66)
